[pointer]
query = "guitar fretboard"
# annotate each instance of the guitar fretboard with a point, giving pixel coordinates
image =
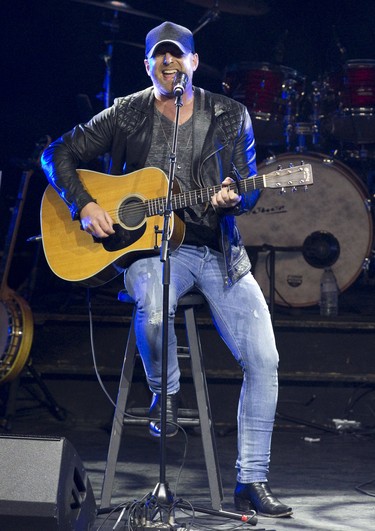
(202, 195)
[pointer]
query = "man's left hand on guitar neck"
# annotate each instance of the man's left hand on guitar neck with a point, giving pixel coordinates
(225, 198)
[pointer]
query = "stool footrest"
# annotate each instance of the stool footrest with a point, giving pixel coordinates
(142, 421)
(186, 417)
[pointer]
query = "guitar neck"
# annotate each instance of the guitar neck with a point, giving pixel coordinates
(203, 195)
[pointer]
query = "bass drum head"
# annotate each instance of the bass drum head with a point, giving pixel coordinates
(336, 203)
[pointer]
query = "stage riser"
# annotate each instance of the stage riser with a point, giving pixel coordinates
(305, 354)
(320, 372)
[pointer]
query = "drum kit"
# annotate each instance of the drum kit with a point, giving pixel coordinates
(341, 119)
(329, 124)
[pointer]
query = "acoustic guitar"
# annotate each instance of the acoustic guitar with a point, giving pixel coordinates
(16, 319)
(136, 202)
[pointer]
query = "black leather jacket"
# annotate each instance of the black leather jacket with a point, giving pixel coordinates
(125, 131)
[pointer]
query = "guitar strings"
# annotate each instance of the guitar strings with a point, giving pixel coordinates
(156, 206)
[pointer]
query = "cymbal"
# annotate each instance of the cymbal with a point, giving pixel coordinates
(118, 6)
(237, 7)
(127, 43)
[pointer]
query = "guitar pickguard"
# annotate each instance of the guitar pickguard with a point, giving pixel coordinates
(122, 238)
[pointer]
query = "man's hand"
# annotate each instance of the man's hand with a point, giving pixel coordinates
(96, 221)
(226, 198)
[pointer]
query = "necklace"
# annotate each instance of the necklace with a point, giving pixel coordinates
(188, 123)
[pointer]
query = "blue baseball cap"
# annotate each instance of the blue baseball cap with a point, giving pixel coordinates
(169, 32)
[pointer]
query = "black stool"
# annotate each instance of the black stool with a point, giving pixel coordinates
(187, 303)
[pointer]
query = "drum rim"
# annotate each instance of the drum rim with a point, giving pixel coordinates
(359, 62)
(263, 66)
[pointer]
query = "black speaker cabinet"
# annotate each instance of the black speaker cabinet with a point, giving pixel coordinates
(43, 486)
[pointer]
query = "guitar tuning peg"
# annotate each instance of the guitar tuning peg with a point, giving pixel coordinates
(302, 162)
(291, 165)
(305, 188)
(282, 191)
(294, 189)
(279, 167)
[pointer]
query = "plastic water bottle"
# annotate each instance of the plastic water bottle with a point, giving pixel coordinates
(328, 293)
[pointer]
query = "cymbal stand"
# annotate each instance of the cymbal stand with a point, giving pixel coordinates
(271, 249)
(106, 95)
(316, 99)
(290, 95)
(210, 16)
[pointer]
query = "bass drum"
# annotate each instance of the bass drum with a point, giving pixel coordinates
(336, 203)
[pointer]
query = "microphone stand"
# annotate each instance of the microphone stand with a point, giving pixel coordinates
(161, 491)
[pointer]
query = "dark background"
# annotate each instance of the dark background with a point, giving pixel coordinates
(52, 51)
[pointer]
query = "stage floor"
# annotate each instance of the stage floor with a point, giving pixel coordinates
(327, 477)
(326, 474)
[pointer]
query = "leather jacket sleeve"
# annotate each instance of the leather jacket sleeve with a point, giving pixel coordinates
(82, 144)
(243, 162)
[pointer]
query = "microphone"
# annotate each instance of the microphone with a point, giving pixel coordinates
(179, 83)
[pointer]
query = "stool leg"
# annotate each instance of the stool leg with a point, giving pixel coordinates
(204, 409)
(118, 418)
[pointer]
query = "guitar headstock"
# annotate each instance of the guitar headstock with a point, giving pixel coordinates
(292, 177)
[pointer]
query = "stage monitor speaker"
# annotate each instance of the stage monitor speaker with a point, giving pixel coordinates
(43, 486)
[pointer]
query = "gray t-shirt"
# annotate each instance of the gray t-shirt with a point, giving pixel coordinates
(199, 229)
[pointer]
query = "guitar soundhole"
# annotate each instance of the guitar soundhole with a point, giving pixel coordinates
(132, 212)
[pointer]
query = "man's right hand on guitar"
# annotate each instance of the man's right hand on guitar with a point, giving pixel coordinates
(96, 221)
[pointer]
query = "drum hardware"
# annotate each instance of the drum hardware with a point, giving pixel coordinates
(362, 153)
(337, 204)
(350, 102)
(298, 132)
(115, 5)
(302, 130)
(271, 250)
(210, 16)
(316, 113)
(290, 95)
(239, 7)
(320, 249)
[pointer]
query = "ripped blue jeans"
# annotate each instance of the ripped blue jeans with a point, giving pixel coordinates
(241, 316)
